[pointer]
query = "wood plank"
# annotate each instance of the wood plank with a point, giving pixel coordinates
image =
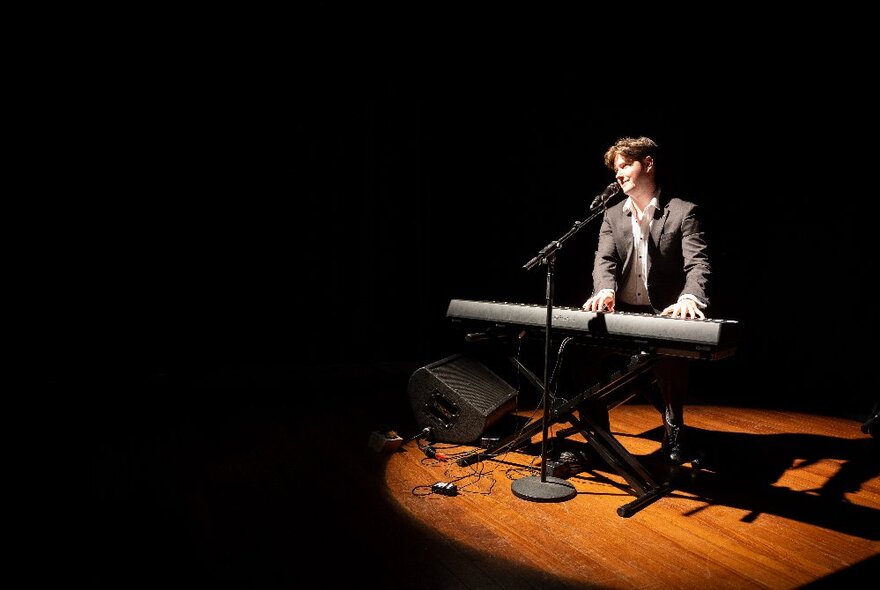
(766, 513)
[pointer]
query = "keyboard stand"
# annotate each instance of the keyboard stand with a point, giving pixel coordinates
(613, 393)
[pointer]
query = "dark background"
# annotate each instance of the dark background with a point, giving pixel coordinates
(250, 211)
(285, 215)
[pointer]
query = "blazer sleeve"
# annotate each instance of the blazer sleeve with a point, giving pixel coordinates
(694, 250)
(607, 259)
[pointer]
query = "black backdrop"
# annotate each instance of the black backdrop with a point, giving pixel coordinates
(314, 213)
(227, 200)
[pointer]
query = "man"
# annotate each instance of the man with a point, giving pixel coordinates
(652, 258)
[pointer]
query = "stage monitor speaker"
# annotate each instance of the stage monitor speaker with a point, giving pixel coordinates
(459, 398)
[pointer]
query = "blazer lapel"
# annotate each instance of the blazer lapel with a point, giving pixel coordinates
(660, 216)
(625, 239)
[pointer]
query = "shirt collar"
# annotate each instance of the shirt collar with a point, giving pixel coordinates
(628, 206)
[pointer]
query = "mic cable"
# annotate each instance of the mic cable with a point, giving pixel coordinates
(432, 453)
(426, 431)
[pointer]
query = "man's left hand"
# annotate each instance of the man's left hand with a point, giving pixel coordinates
(686, 308)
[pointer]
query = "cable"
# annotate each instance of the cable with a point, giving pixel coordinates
(432, 453)
(425, 433)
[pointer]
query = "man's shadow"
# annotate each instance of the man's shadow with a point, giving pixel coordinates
(740, 470)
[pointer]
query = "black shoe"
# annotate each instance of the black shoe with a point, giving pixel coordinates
(673, 447)
(870, 425)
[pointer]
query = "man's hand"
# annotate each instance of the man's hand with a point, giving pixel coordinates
(601, 301)
(685, 308)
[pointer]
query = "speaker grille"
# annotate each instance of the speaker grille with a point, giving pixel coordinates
(459, 397)
(474, 383)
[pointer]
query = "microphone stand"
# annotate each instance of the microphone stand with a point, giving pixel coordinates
(544, 488)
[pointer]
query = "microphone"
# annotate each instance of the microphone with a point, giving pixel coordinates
(600, 200)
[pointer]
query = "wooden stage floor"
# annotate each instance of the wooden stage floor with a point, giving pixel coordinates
(248, 488)
(782, 500)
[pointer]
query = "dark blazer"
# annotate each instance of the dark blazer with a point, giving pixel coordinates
(678, 261)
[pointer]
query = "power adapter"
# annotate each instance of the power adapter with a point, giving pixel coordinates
(447, 489)
(558, 469)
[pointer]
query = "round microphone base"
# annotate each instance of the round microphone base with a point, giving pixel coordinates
(534, 489)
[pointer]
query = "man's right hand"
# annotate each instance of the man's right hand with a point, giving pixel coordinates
(601, 301)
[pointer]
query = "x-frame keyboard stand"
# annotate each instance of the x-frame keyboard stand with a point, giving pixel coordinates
(613, 393)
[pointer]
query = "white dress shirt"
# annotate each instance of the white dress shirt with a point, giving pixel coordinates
(634, 285)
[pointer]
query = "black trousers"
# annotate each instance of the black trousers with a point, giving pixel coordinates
(582, 367)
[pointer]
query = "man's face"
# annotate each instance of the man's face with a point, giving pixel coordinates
(631, 174)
